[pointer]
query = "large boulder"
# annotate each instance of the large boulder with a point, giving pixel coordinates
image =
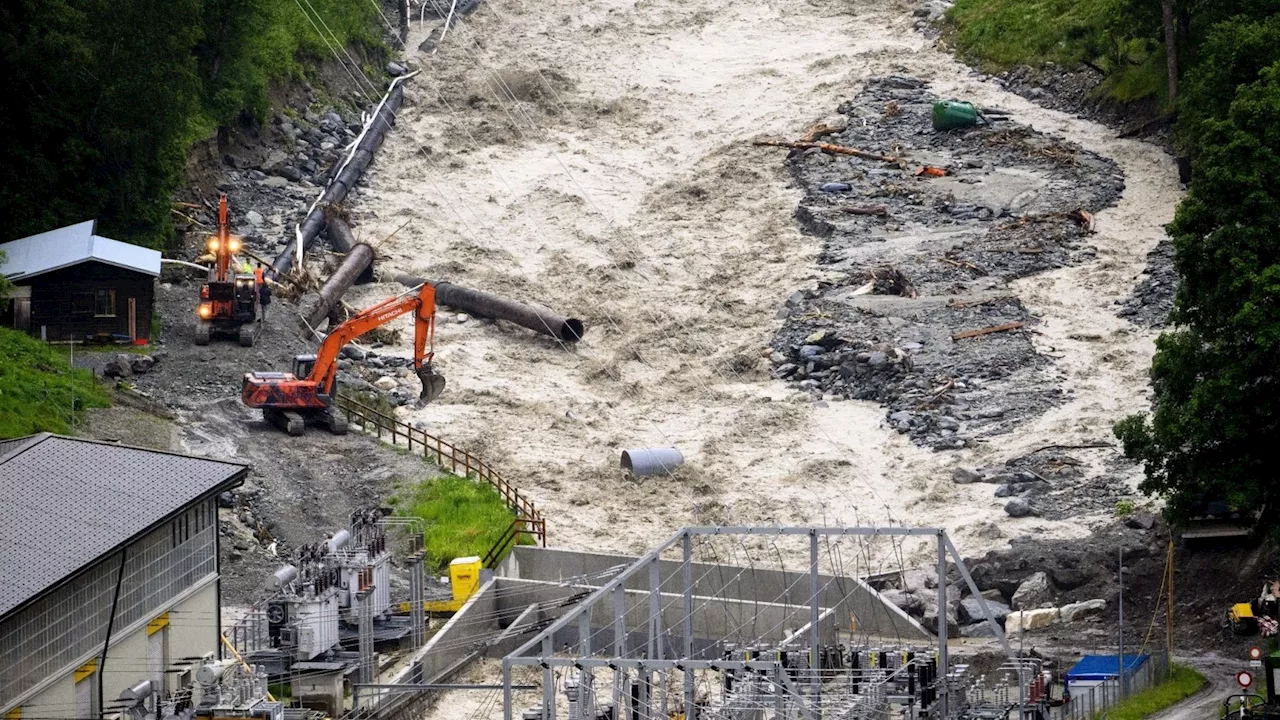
(142, 364)
(978, 630)
(1023, 620)
(1082, 610)
(1019, 508)
(907, 602)
(1033, 592)
(121, 366)
(930, 620)
(919, 581)
(971, 610)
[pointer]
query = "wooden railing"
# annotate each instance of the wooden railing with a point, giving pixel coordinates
(448, 456)
(519, 528)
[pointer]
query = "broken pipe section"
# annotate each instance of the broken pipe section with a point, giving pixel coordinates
(642, 462)
(485, 305)
(359, 259)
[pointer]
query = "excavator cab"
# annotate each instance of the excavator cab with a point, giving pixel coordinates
(302, 365)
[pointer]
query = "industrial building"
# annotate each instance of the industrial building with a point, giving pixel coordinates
(73, 284)
(111, 568)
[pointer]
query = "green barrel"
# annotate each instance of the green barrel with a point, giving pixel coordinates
(952, 114)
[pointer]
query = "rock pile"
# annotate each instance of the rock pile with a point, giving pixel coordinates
(124, 365)
(1152, 298)
(1049, 482)
(1029, 607)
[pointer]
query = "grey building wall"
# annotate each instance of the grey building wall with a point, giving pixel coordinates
(67, 627)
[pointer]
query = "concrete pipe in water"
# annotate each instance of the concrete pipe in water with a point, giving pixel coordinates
(642, 462)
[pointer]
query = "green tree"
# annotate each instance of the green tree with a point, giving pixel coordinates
(98, 98)
(1216, 407)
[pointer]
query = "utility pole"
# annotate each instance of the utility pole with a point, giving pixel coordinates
(1168, 609)
(1120, 578)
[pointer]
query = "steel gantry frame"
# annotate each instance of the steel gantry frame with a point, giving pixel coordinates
(540, 652)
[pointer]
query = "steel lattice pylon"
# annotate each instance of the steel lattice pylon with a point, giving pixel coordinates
(641, 625)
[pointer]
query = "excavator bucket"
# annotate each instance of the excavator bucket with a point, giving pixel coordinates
(432, 384)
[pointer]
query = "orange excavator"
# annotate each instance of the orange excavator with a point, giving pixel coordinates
(229, 300)
(305, 396)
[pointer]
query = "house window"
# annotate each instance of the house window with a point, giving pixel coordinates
(104, 303)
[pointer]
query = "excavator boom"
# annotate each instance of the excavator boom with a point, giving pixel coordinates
(310, 389)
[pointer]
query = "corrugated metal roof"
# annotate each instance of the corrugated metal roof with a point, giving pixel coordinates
(72, 245)
(8, 446)
(69, 501)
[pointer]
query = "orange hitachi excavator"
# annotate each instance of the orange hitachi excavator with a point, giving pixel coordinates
(292, 400)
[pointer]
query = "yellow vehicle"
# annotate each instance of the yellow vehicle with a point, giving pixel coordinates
(1242, 619)
(464, 580)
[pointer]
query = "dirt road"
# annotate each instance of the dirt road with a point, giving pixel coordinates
(592, 156)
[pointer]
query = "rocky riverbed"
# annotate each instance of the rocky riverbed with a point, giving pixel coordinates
(916, 310)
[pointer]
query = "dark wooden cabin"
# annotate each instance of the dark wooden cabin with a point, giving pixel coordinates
(72, 284)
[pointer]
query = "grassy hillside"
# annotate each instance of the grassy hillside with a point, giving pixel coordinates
(39, 390)
(464, 517)
(1000, 34)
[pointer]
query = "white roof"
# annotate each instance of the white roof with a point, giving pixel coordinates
(72, 245)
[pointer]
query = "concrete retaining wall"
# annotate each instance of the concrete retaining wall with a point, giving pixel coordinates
(857, 606)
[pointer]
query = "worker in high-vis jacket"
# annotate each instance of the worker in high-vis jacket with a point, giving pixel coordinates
(264, 291)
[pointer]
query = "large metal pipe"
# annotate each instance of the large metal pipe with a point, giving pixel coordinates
(358, 260)
(341, 239)
(651, 461)
(347, 177)
(483, 304)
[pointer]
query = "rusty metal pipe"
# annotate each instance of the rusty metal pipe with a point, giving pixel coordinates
(486, 305)
(337, 190)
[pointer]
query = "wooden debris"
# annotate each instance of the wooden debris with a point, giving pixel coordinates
(1084, 217)
(973, 303)
(987, 330)
(826, 147)
(820, 130)
(1084, 446)
(961, 264)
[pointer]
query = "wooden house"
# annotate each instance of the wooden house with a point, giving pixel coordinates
(74, 285)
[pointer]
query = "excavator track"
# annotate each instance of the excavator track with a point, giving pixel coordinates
(203, 329)
(288, 421)
(335, 422)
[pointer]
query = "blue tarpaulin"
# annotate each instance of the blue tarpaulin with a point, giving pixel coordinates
(1104, 667)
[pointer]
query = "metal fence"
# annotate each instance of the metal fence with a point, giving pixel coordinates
(448, 456)
(1096, 701)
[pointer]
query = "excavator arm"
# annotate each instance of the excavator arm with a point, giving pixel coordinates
(421, 301)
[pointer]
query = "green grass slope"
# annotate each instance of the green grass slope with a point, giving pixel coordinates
(39, 390)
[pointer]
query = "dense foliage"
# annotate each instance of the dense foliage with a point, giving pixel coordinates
(1217, 395)
(1216, 404)
(39, 390)
(102, 99)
